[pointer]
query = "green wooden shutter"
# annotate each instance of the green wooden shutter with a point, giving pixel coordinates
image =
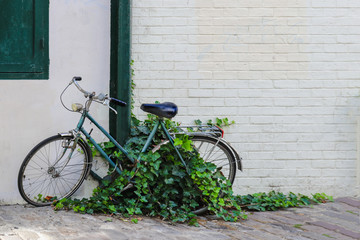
(24, 31)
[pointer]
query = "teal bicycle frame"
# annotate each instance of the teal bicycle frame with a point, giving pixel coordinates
(85, 115)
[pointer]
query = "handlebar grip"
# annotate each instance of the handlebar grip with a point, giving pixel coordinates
(118, 102)
(77, 78)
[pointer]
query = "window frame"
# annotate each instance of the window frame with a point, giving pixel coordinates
(40, 64)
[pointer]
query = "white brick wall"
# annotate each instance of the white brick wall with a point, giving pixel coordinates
(287, 71)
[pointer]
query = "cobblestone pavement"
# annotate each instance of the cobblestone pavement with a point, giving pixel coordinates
(337, 220)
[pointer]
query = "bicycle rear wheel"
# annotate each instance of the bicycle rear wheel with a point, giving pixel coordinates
(214, 151)
(52, 170)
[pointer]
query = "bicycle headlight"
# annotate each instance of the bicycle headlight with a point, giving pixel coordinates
(76, 107)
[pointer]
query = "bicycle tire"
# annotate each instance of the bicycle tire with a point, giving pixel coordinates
(215, 151)
(39, 181)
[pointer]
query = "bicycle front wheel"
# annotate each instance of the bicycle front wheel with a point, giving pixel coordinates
(214, 151)
(54, 169)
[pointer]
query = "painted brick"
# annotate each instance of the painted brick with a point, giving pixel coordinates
(156, 84)
(211, 102)
(200, 75)
(199, 111)
(211, 84)
(328, 164)
(227, 93)
(186, 84)
(150, 92)
(176, 92)
(146, 4)
(295, 164)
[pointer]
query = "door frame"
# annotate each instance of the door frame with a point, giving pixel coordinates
(120, 70)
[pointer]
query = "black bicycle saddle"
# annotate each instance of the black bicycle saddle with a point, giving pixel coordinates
(166, 109)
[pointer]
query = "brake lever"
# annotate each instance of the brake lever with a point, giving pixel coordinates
(113, 109)
(106, 102)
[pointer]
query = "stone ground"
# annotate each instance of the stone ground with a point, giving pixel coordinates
(337, 220)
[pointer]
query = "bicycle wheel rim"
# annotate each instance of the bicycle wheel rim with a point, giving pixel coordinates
(40, 181)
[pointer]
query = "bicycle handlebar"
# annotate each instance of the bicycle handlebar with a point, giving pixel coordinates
(118, 102)
(75, 80)
(101, 97)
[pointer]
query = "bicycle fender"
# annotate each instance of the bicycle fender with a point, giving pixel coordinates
(237, 156)
(66, 134)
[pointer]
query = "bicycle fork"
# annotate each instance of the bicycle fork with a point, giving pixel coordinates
(66, 144)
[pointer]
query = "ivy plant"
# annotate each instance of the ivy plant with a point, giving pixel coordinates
(276, 200)
(161, 186)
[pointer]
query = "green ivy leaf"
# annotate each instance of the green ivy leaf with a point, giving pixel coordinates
(176, 171)
(169, 181)
(157, 165)
(135, 220)
(187, 145)
(178, 142)
(112, 208)
(198, 122)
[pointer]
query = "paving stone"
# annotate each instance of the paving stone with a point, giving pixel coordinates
(263, 235)
(343, 217)
(13, 237)
(338, 207)
(319, 233)
(244, 236)
(350, 225)
(283, 220)
(52, 235)
(299, 237)
(336, 228)
(68, 231)
(27, 235)
(298, 217)
(97, 236)
(278, 225)
(349, 201)
(259, 230)
(115, 234)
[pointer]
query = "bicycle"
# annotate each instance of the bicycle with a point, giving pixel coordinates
(57, 166)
